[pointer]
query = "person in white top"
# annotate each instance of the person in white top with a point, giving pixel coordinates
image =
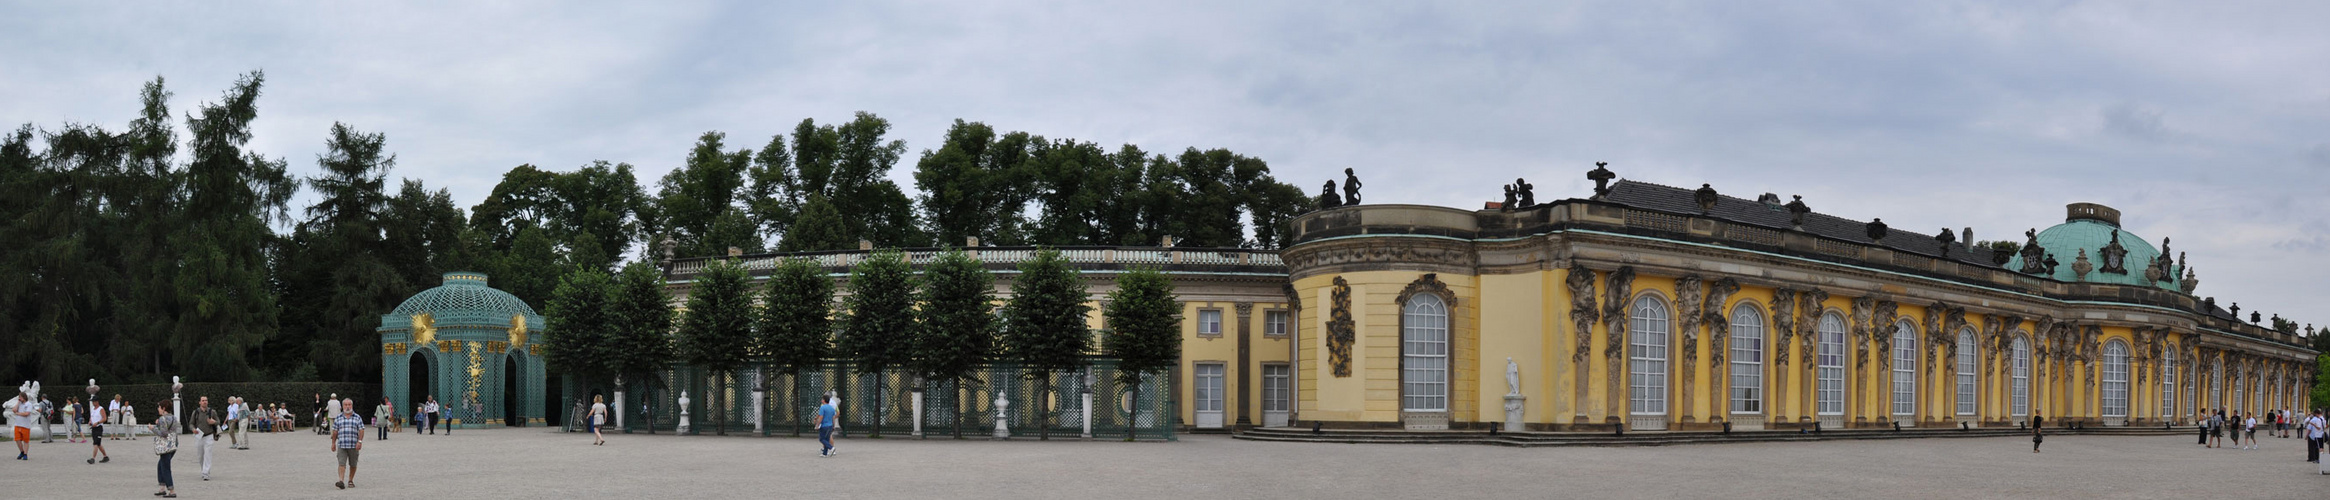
(598, 418)
(20, 411)
(2314, 437)
(2249, 430)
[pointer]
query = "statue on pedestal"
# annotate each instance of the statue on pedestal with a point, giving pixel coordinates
(1327, 197)
(1528, 192)
(684, 424)
(1601, 176)
(1350, 187)
(1512, 377)
(1002, 419)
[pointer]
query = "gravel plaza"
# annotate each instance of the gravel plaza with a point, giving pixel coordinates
(533, 463)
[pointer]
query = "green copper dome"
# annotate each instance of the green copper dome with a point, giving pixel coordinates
(463, 300)
(2094, 229)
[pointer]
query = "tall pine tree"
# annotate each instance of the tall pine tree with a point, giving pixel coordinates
(225, 304)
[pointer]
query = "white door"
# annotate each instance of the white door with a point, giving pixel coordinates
(1277, 392)
(1209, 395)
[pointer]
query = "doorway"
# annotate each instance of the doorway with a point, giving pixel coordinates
(420, 371)
(510, 395)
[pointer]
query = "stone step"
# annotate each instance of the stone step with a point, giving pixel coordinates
(1527, 439)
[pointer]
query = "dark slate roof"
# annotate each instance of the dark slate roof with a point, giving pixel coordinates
(1648, 196)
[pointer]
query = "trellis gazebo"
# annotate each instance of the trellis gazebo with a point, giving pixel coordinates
(469, 345)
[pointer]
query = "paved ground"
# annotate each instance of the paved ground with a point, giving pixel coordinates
(532, 463)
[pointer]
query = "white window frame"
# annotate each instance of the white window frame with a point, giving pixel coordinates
(1649, 328)
(1424, 354)
(1209, 322)
(1277, 387)
(1209, 396)
(1903, 377)
(1747, 360)
(2021, 359)
(1966, 372)
(1275, 322)
(2168, 381)
(1830, 388)
(2115, 379)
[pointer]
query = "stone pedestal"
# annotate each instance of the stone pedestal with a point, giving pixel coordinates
(1002, 420)
(1513, 408)
(917, 413)
(617, 410)
(1087, 415)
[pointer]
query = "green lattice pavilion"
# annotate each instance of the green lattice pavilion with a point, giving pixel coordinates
(469, 345)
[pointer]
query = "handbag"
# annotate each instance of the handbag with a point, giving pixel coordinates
(164, 445)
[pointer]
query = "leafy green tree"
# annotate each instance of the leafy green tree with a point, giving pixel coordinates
(423, 230)
(716, 332)
(957, 320)
(581, 334)
(692, 199)
(880, 327)
(849, 166)
(976, 184)
(819, 227)
(640, 327)
(225, 303)
(594, 212)
(1145, 328)
(531, 268)
(1044, 325)
(2321, 395)
(796, 326)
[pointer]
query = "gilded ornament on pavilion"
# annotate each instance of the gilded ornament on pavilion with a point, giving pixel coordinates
(424, 328)
(517, 329)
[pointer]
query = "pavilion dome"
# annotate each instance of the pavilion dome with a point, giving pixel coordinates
(2093, 229)
(463, 299)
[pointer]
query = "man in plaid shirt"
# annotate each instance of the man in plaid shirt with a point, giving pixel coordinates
(347, 439)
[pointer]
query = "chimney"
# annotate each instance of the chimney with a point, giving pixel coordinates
(865, 244)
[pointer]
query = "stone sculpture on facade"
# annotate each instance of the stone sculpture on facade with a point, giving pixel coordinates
(1514, 402)
(1796, 211)
(1706, 196)
(1601, 175)
(2033, 255)
(2115, 256)
(1527, 191)
(1687, 295)
(1511, 202)
(1327, 197)
(1350, 188)
(2081, 266)
(1617, 296)
(1583, 315)
(1875, 229)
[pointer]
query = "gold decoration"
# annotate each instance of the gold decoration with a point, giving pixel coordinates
(476, 374)
(395, 348)
(534, 349)
(517, 329)
(453, 346)
(424, 328)
(496, 346)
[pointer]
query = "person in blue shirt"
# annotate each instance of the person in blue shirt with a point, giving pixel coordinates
(827, 421)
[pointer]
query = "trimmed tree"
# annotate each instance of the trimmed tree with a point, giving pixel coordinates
(716, 332)
(796, 329)
(582, 329)
(1044, 325)
(881, 318)
(640, 337)
(1145, 329)
(958, 323)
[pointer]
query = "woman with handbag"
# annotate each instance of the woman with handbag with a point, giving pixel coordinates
(165, 447)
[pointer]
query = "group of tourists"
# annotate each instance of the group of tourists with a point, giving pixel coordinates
(2277, 423)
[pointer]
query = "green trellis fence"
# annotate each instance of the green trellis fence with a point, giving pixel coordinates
(883, 403)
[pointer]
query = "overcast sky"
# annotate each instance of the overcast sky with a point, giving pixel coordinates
(2208, 122)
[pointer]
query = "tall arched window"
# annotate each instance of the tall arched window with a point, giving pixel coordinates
(1831, 400)
(2115, 380)
(1747, 359)
(2022, 376)
(1424, 354)
(1904, 376)
(1966, 371)
(1646, 348)
(2168, 381)
(2217, 385)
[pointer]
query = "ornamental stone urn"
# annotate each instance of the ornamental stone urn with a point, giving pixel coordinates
(684, 413)
(1002, 423)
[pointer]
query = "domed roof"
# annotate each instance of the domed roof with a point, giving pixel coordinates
(463, 299)
(2092, 229)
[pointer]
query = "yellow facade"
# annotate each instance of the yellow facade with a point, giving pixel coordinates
(1653, 361)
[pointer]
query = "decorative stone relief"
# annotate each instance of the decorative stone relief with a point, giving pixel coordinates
(2081, 266)
(1429, 283)
(1688, 291)
(1408, 253)
(1933, 331)
(2032, 254)
(1718, 319)
(1886, 311)
(1862, 308)
(1582, 311)
(1340, 332)
(2115, 256)
(1810, 305)
(1783, 324)
(1614, 302)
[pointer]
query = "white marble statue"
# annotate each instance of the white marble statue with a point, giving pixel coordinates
(1512, 377)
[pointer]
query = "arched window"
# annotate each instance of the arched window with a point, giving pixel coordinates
(2236, 403)
(1646, 347)
(1904, 376)
(1831, 400)
(2168, 381)
(2217, 385)
(2022, 376)
(1747, 359)
(2115, 380)
(1424, 354)
(1966, 371)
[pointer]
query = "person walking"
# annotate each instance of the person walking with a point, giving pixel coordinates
(206, 425)
(2203, 426)
(2038, 432)
(381, 415)
(2249, 430)
(97, 416)
(347, 440)
(2216, 434)
(420, 417)
(598, 419)
(72, 420)
(227, 427)
(22, 410)
(434, 417)
(827, 421)
(165, 449)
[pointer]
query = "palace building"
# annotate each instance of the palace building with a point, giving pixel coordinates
(1650, 307)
